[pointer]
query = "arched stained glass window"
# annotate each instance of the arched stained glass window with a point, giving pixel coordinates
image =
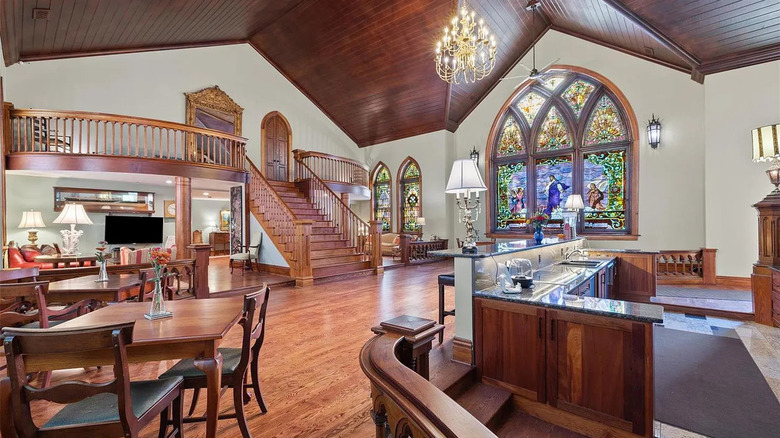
(382, 196)
(570, 133)
(410, 203)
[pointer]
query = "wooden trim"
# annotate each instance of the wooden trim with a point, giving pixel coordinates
(183, 221)
(371, 178)
(263, 124)
(273, 269)
(633, 149)
(400, 195)
(740, 282)
(123, 51)
(741, 59)
(462, 351)
(4, 147)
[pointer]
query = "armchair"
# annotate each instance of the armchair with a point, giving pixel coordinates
(252, 253)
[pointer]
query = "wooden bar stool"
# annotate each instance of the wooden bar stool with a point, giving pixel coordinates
(444, 280)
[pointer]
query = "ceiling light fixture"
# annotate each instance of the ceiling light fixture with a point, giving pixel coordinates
(169, 182)
(465, 54)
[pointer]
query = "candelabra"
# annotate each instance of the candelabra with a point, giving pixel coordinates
(465, 206)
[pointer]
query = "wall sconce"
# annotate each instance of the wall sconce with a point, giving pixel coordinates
(654, 132)
(474, 155)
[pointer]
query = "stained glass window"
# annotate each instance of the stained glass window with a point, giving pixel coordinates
(554, 135)
(571, 115)
(529, 106)
(604, 124)
(512, 202)
(511, 141)
(576, 95)
(604, 190)
(553, 186)
(411, 197)
(383, 196)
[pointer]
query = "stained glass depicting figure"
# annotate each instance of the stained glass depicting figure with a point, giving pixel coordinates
(512, 205)
(553, 186)
(552, 82)
(604, 186)
(554, 134)
(529, 106)
(605, 124)
(411, 206)
(382, 198)
(511, 140)
(577, 94)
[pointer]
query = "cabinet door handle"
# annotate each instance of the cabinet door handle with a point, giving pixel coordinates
(541, 330)
(552, 329)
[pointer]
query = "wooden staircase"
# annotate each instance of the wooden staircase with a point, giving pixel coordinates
(331, 254)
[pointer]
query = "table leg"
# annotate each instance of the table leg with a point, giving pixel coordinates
(212, 368)
(6, 422)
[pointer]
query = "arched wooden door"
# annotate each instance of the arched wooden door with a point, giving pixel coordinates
(276, 146)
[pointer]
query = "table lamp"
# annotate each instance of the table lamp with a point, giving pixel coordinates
(421, 222)
(765, 148)
(571, 212)
(72, 214)
(465, 180)
(33, 220)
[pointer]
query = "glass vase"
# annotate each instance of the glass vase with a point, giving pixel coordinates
(157, 307)
(102, 274)
(538, 235)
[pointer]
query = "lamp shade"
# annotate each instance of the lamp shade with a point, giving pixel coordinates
(574, 202)
(765, 143)
(420, 220)
(465, 177)
(73, 214)
(31, 219)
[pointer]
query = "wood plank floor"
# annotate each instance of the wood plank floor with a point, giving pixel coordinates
(221, 280)
(310, 376)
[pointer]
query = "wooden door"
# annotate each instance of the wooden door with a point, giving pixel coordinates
(276, 149)
(596, 369)
(509, 346)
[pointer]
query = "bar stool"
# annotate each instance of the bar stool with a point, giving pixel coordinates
(444, 280)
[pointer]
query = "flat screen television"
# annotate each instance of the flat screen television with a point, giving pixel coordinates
(133, 229)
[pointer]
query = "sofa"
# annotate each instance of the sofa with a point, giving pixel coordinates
(128, 256)
(24, 256)
(391, 244)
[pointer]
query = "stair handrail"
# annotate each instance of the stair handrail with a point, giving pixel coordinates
(350, 225)
(275, 210)
(333, 168)
(402, 398)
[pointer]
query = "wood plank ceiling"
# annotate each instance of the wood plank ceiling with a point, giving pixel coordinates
(369, 64)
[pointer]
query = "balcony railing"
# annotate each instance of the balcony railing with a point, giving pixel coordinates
(77, 133)
(334, 169)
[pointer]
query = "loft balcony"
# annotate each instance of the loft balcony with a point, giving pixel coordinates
(44, 140)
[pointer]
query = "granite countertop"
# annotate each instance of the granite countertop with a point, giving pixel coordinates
(626, 251)
(547, 294)
(502, 248)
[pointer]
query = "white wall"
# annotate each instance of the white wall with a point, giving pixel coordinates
(735, 103)
(152, 84)
(205, 215)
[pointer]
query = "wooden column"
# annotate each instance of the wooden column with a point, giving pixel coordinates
(708, 262)
(405, 239)
(376, 247)
(302, 271)
(183, 217)
(201, 253)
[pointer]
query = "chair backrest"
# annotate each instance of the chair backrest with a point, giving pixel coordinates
(15, 303)
(197, 236)
(26, 346)
(257, 244)
(253, 323)
(18, 275)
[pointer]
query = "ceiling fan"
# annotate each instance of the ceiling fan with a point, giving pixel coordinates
(533, 73)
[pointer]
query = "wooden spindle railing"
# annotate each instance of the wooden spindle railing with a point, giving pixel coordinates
(686, 266)
(349, 225)
(419, 251)
(332, 168)
(85, 133)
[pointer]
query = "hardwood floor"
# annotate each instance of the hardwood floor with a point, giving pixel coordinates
(221, 280)
(310, 376)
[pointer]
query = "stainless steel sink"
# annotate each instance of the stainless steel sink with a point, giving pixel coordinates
(584, 263)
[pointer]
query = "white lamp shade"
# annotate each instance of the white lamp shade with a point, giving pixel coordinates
(73, 214)
(574, 202)
(465, 177)
(31, 219)
(765, 143)
(421, 221)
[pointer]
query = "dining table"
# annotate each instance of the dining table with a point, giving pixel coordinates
(195, 330)
(118, 287)
(66, 260)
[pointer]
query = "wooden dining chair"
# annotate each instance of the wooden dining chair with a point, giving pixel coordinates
(236, 364)
(117, 408)
(146, 276)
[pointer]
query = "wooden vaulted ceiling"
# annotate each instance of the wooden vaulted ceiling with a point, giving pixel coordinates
(369, 64)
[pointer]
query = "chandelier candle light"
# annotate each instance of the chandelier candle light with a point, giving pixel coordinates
(72, 214)
(465, 180)
(465, 54)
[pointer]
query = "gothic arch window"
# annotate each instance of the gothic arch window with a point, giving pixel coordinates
(410, 195)
(382, 196)
(573, 133)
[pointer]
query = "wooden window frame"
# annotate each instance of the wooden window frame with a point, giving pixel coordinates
(400, 182)
(372, 182)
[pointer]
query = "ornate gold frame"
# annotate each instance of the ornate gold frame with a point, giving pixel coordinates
(216, 99)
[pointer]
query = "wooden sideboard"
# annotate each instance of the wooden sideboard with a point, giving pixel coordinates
(220, 242)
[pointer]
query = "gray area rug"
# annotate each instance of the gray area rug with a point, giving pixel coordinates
(710, 385)
(712, 294)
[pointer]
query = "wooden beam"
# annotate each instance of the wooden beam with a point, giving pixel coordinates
(183, 227)
(656, 34)
(745, 58)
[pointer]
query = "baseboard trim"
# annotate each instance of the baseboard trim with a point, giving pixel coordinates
(462, 351)
(740, 316)
(273, 269)
(741, 282)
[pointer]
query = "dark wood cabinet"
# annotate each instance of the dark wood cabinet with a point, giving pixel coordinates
(220, 242)
(635, 275)
(605, 279)
(510, 347)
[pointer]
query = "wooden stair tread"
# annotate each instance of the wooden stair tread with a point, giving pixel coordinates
(518, 423)
(449, 375)
(340, 268)
(486, 403)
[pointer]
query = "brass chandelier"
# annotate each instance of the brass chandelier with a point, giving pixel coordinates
(465, 54)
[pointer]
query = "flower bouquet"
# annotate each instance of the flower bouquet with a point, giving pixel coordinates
(538, 221)
(160, 259)
(100, 257)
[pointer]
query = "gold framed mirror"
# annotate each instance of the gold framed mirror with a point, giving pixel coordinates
(212, 108)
